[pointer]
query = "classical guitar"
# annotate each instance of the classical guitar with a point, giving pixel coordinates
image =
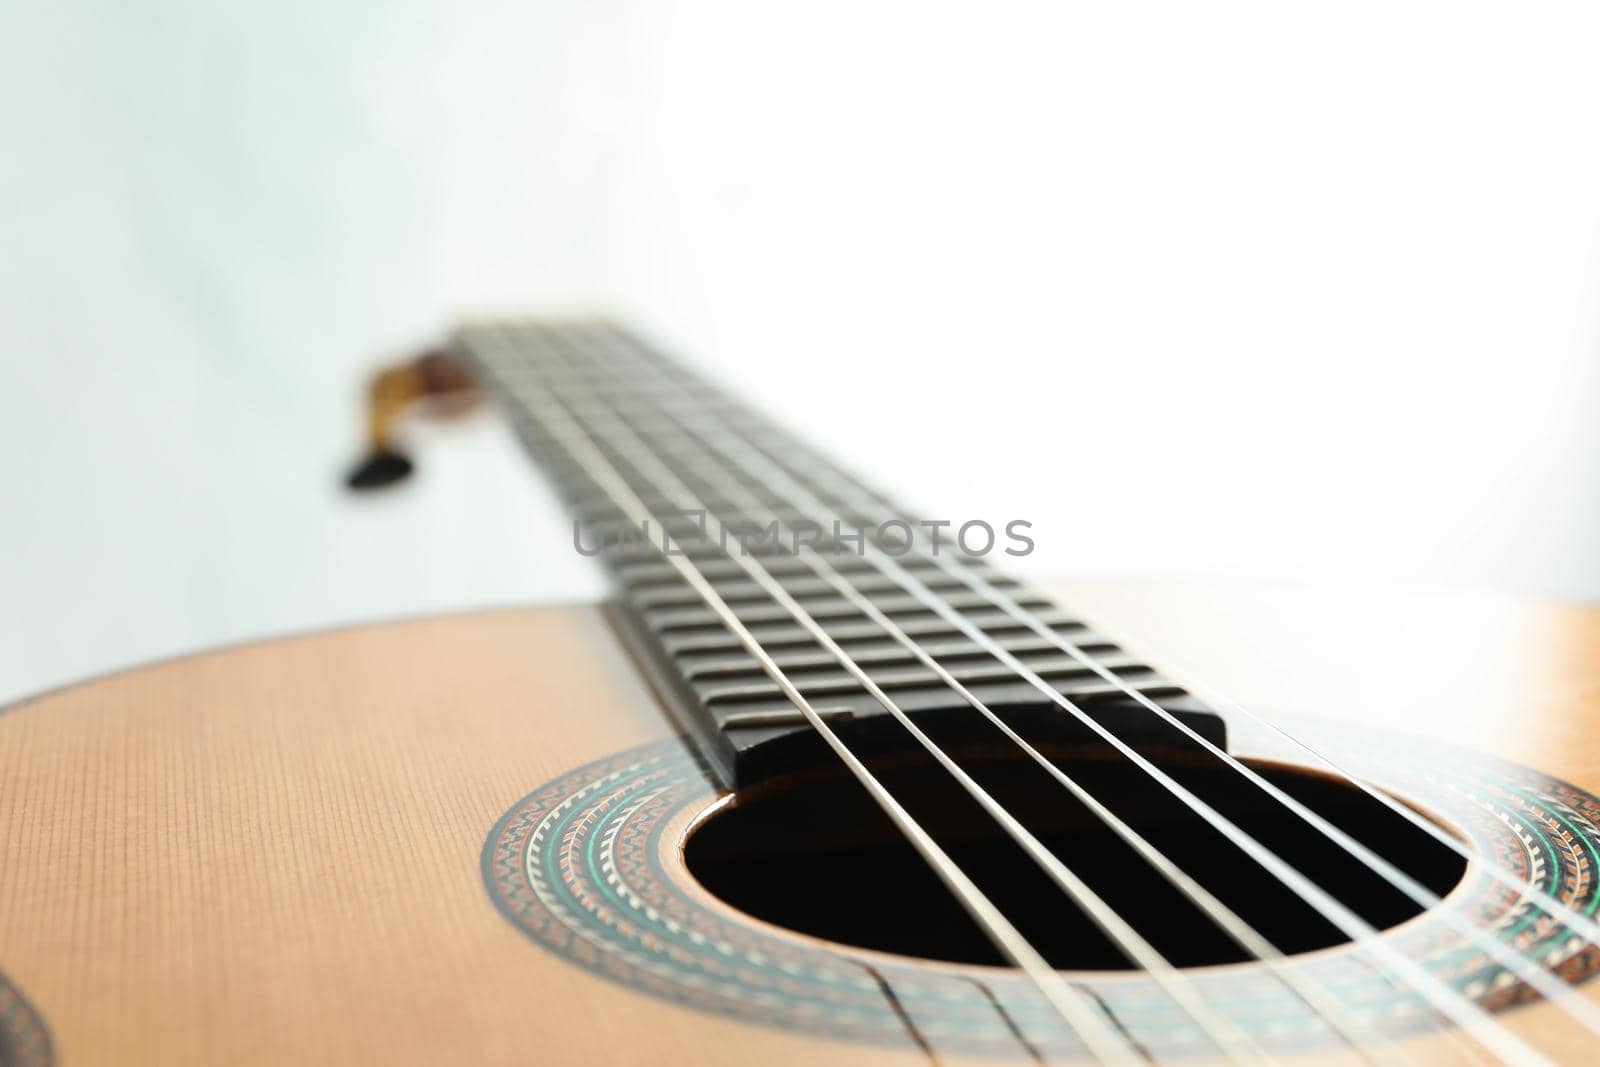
(819, 784)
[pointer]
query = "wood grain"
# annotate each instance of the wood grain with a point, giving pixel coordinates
(270, 854)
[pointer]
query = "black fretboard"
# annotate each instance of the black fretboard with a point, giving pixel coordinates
(648, 415)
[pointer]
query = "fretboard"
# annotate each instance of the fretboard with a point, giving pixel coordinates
(601, 411)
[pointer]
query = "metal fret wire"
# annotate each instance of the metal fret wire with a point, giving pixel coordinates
(616, 437)
(1241, 932)
(1325, 1006)
(1519, 963)
(887, 565)
(1101, 1037)
(1526, 968)
(1448, 1001)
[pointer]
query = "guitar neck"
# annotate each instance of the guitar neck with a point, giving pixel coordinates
(613, 420)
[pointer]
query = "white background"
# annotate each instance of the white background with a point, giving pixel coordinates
(1282, 290)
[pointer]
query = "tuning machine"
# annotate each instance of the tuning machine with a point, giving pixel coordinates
(435, 383)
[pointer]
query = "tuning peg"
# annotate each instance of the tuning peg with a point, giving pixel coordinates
(436, 379)
(379, 469)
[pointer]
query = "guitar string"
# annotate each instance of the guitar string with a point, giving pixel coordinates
(1324, 1006)
(620, 439)
(1524, 889)
(1527, 968)
(1466, 1013)
(1520, 963)
(1100, 1037)
(1228, 1039)
(909, 581)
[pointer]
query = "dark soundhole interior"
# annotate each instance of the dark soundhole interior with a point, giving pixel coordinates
(815, 855)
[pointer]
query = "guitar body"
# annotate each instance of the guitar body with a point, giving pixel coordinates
(308, 850)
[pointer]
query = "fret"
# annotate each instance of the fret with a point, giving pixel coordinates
(981, 663)
(667, 619)
(693, 659)
(916, 624)
(802, 588)
(715, 687)
(823, 680)
(1095, 689)
(651, 571)
(785, 716)
(702, 666)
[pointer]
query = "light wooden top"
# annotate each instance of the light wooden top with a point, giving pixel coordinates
(271, 854)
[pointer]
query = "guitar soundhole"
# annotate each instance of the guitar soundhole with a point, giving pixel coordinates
(816, 856)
